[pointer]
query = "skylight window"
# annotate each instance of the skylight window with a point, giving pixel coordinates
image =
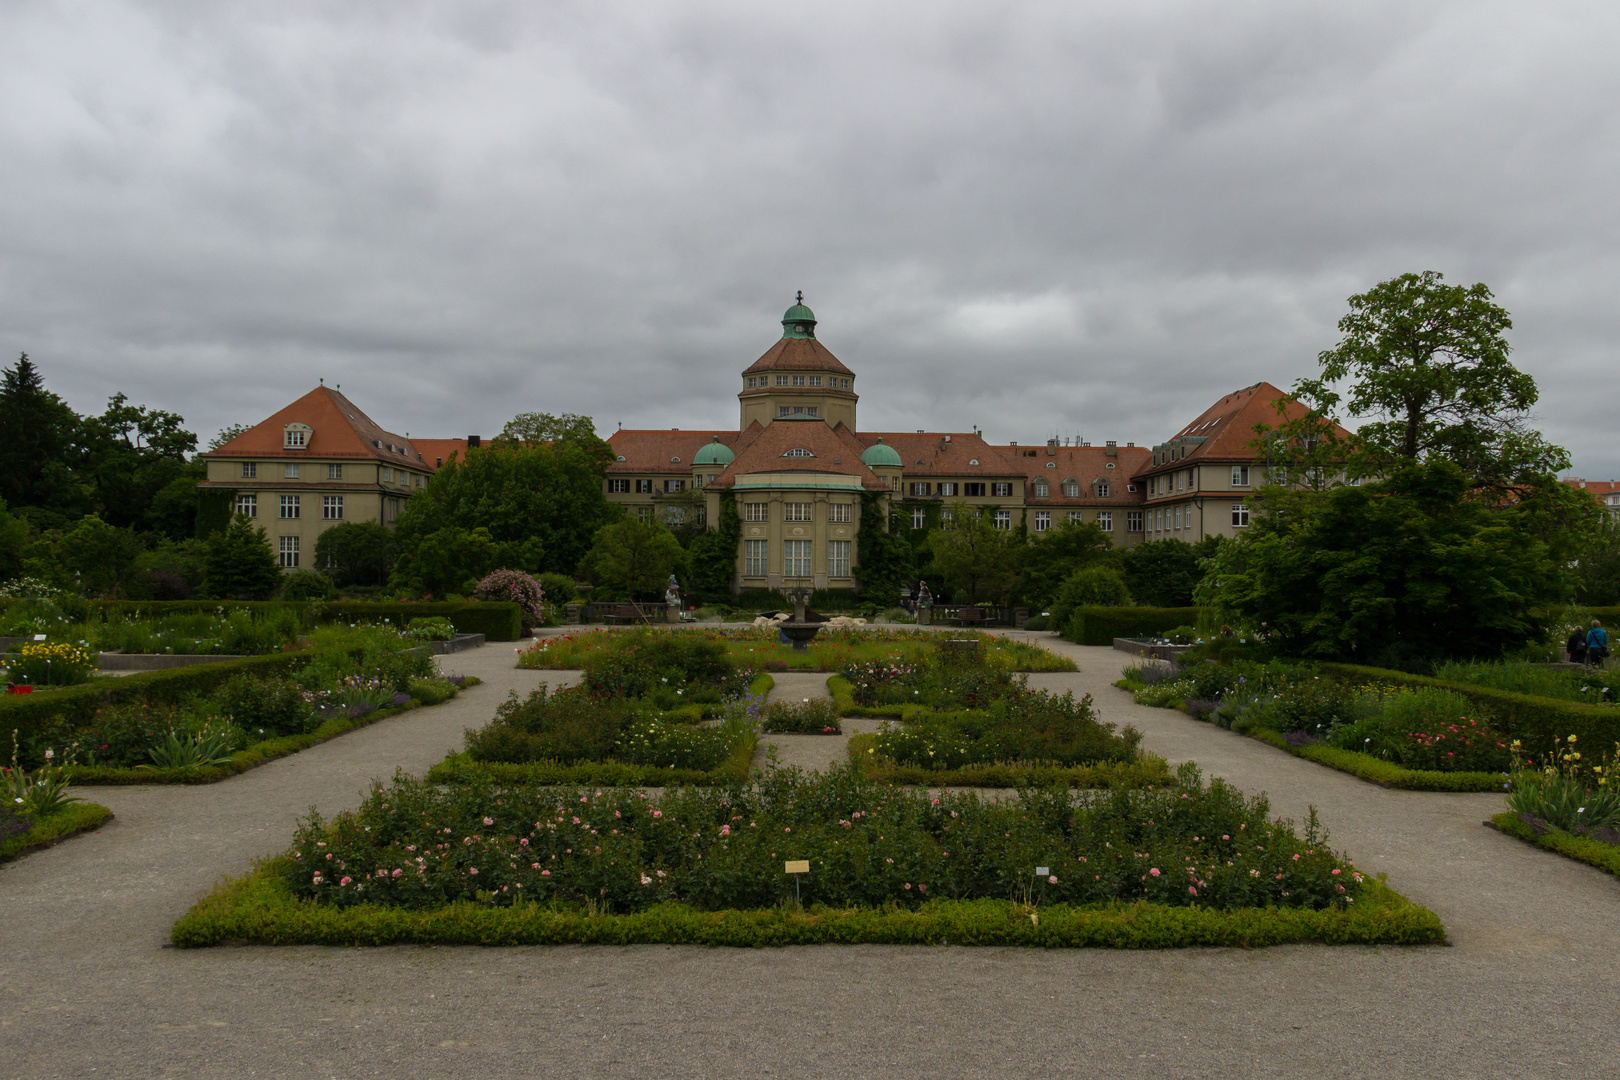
(798, 451)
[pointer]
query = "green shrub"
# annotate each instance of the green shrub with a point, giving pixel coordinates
(1036, 622)
(266, 707)
(566, 726)
(307, 585)
(559, 588)
(433, 628)
(1101, 625)
(1091, 586)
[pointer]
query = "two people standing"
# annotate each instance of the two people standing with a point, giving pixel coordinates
(1589, 647)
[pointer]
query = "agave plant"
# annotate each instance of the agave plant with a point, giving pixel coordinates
(206, 747)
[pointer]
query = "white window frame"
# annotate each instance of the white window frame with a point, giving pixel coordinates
(672, 487)
(1001, 491)
(796, 558)
(618, 486)
(919, 518)
(289, 471)
(840, 513)
(1071, 489)
(1042, 490)
(287, 551)
(756, 511)
(290, 503)
(1103, 490)
(838, 558)
(1133, 521)
(247, 505)
(1240, 476)
(1105, 520)
(334, 471)
(1043, 520)
(644, 487)
(331, 508)
(1240, 515)
(250, 470)
(798, 511)
(946, 488)
(919, 488)
(294, 438)
(1075, 517)
(1002, 520)
(756, 557)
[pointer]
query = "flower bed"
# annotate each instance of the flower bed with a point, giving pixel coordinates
(1414, 738)
(1191, 864)
(832, 650)
(1603, 854)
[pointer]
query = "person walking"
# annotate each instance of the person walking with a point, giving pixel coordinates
(1597, 644)
(1576, 645)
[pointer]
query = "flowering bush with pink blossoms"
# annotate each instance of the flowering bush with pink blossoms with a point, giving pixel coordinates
(516, 587)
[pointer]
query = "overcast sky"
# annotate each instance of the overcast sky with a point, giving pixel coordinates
(1071, 218)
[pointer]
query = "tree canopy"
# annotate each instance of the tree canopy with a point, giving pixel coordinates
(540, 429)
(1052, 557)
(1427, 367)
(973, 555)
(1413, 568)
(634, 556)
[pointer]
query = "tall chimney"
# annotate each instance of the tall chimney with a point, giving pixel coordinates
(474, 442)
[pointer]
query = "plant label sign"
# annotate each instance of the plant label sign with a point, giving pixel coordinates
(797, 866)
(1042, 871)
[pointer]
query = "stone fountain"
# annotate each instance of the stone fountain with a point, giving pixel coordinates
(803, 627)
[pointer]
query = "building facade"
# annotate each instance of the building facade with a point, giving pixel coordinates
(317, 463)
(801, 470)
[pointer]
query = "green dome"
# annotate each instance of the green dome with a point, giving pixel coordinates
(715, 453)
(879, 455)
(799, 321)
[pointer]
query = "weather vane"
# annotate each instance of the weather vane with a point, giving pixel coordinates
(800, 297)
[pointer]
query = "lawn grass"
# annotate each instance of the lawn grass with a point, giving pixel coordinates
(1584, 849)
(69, 820)
(755, 647)
(249, 757)
(258, 909)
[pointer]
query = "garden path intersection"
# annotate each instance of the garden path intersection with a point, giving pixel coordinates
(1528, 986)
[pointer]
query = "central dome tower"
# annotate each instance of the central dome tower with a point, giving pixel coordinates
(798, 379)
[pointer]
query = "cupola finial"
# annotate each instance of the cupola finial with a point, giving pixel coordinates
(799, 299)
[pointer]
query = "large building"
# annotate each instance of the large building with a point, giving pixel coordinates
(318, 463)
(801, 471)
(799, 467)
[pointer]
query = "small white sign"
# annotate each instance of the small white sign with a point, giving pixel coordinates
(39, 637)
(1042, 871)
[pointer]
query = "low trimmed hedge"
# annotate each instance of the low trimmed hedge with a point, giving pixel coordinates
(250, 757)
(843, 695)
(1605, 857)
(28, 713)
(258, 909)
(1148, 770)
(1537, 722)
(1381, 772)
(461, 769)
(70, 820)
(496, 621)
(1101, 625)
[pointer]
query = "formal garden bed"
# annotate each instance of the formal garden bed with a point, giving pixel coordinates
(202, 724)
(1194, 863)
(959, 718)
(21, 835)
(665, 709)
(833, 649)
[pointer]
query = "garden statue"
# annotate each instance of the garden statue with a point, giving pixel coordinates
(925, 603)
(672, 597)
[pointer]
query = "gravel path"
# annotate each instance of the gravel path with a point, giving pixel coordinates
(87, 988)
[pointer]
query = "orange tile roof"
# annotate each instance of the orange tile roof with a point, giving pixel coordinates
(1084, 464)
(1226, 428)
(833, 450)
(1598, 489)
(647, 451)
(925, 453)
(797, 354)
(434, 450)
(339, 430)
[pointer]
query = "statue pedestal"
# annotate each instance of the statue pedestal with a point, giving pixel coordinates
(672, 612)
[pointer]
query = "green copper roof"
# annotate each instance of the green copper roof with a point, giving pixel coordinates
(881, 455)
(715, 453)
(799, 321)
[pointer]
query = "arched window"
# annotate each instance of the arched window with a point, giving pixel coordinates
(798, 451)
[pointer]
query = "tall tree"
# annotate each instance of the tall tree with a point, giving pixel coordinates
(37, 431)
(552, 494)
(128, 455)
(1053, 556)
(539, 429)
(1407, 570)
(241, 565)
(973, 555)
(1164, 573)
(1428, 368)
(635, 556)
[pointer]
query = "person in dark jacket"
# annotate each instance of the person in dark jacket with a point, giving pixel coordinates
(1576, 646)
(1597, 644)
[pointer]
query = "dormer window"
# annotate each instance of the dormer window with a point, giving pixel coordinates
(296, 436)
(973, 461)
(798, 451)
